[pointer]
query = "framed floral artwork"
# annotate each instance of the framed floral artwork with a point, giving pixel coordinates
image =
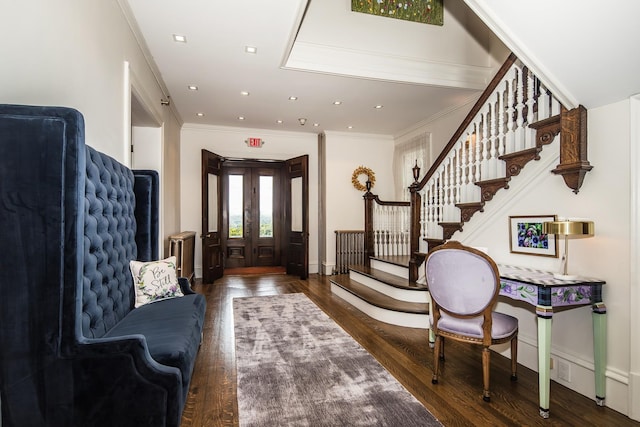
(526, 236)
(422, 11)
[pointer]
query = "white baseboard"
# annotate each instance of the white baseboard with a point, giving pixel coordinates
(634, 396)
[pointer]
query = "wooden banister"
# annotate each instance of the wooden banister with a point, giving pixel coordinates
(468, 119)
(370, 200)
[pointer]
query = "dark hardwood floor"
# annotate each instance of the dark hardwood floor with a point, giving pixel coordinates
(455, 401)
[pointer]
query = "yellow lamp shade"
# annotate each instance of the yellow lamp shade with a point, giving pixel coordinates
(569, 228)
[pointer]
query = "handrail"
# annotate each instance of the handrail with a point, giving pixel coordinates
(390, 203)
(467, 120)
(473, 164)
(506, 127)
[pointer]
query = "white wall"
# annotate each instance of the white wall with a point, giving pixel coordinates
(344, 204)
(172, 209)
(72, 53)
(441, 128)
(229, 142)
(603, 198)
(634, 260)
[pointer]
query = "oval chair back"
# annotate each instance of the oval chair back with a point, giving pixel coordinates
(464, 284)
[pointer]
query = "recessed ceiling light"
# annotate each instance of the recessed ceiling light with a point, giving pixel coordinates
(192, 87)
(179, 38)
(240, 117)
(293, 98)
(251, 49)
(244, 93)
(377, 107)
(337, 102)
(200, 114)
(349, 127)
(316, 124)
(279, 122)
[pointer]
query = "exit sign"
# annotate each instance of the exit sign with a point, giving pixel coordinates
(254, 142)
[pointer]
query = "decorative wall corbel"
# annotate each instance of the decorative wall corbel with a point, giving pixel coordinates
(573, 147)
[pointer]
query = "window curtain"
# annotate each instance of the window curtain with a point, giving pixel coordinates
(405, 156)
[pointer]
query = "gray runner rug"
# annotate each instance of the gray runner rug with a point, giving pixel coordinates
(297, 367)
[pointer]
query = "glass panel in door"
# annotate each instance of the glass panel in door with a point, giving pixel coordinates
(266, 206)
(236, 206)
(212, 223)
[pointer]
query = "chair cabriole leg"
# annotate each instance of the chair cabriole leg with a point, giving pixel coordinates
(486, 360)
(436, 359)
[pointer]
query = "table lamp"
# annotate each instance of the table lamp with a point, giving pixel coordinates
(568, 229)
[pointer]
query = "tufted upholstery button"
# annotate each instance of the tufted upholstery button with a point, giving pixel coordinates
(110, 229)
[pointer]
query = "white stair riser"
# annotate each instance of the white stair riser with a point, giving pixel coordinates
(409, 320)
(396, 270)
(419, 296)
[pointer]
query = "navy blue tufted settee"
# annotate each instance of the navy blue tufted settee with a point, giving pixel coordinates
(73, 349)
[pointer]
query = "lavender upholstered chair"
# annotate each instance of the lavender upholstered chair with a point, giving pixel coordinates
(464, 285)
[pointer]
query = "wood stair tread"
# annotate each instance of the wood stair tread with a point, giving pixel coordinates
(388, 278)
(399, 260)
(376, 298)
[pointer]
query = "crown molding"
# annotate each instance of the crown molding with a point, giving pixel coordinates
(306, 56)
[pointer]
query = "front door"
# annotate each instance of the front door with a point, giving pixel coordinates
(212, 190)
(296, 224)
(252, 214)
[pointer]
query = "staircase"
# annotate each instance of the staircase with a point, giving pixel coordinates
(383, 292)
(514, 118)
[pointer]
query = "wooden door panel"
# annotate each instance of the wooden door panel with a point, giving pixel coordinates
(212, 192)
(296, 190)
(265, 255)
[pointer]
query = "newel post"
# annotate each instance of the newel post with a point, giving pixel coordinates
(414, 231)
(369, 250)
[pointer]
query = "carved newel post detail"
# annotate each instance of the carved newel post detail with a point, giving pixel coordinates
(414, 225)
(573, 147)
(369, 249)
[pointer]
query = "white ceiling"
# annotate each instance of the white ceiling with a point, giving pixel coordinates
(319, 51)
(584, 50)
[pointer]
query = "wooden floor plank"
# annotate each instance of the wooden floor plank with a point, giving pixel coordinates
(456, 400)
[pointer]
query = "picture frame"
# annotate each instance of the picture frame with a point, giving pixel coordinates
(526, 237)
(421, 11)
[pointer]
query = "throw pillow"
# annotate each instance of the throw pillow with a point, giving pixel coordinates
(155, 280)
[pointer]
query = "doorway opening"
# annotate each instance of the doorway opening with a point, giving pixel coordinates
(254, 215)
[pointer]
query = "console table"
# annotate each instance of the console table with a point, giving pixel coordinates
(542, 290)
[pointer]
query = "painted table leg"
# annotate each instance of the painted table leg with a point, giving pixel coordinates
(432, 336)
(544, 356)
(600, 349)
